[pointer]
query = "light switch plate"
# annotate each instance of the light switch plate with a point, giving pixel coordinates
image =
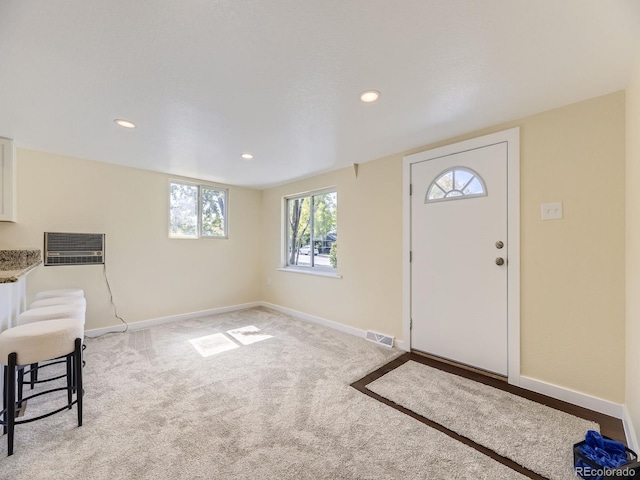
(552, 211)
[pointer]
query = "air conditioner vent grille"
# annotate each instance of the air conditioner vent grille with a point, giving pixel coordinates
(379, 338)
(73, 248)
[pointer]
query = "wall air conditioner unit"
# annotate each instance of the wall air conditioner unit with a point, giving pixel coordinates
(73, 248)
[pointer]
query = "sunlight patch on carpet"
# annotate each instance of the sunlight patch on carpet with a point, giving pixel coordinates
(213, 344)
(248, 335)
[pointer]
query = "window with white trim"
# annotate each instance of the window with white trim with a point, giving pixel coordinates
(311, 230)
(197, 211)
(456, 183)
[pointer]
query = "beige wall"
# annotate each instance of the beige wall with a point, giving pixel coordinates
(573, 270)
(151, 276)
(633, 248)
(572, 305)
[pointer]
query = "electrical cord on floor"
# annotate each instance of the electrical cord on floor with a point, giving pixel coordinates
(115, 309)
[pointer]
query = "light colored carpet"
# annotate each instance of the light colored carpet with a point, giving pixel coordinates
(279, 408)
(535, 436)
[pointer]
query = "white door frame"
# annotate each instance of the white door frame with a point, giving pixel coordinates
(512, 137)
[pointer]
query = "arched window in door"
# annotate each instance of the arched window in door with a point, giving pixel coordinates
(455, 184)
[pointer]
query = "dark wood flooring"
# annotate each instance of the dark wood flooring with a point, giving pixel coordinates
(609, 426)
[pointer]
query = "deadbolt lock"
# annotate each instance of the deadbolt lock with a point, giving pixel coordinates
(499, 261)
(499, 244)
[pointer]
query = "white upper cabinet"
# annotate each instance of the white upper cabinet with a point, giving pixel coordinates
(7, 181)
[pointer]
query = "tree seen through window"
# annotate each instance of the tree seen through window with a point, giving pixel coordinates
(312, 230)
(197, 211)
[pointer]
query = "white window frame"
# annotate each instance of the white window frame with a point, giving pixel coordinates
(199, 234)
(320, 270)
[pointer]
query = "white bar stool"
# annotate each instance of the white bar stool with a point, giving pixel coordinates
(65, 292)
(52, 312)
(33, 343)
(48, 302)
(41, 314)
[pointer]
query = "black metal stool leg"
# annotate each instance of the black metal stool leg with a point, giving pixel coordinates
(11, 399)
(78, 379)
(33, 374)
(5, 370)
(20, 386)
(73, 373)
(69, 381)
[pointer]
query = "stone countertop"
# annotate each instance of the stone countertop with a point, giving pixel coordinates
(17, 263)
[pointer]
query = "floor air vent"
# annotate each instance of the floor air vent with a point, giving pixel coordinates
(379, 338)
(73, 248)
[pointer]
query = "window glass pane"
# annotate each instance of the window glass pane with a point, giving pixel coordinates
(475, 187)
(298, 231)
(325, 215)
(304, 255)
(446, 181)
(183, 215)
(462, 177)
(435, 193)
(213, 212)
(453, 193)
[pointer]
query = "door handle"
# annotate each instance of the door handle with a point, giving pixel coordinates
(499, 261)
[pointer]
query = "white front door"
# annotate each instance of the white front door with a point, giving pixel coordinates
(459, 250)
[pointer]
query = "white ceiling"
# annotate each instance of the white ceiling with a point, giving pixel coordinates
(206, 80)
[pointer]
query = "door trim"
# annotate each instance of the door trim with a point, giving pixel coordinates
(512, 137)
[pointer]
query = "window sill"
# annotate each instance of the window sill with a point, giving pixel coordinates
(308, 271)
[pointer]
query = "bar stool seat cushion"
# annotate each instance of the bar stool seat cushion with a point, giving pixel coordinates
(36, 342)
(48, 302)
(51, 313)
(65, 292)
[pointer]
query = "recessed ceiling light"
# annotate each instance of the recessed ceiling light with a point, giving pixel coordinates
(247, 156)
(125, 123)
(369, 96)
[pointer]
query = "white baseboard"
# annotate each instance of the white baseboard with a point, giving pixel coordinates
(310, 318)
(171, 318)
(629, 430)
(323, 321)
(572, 396)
